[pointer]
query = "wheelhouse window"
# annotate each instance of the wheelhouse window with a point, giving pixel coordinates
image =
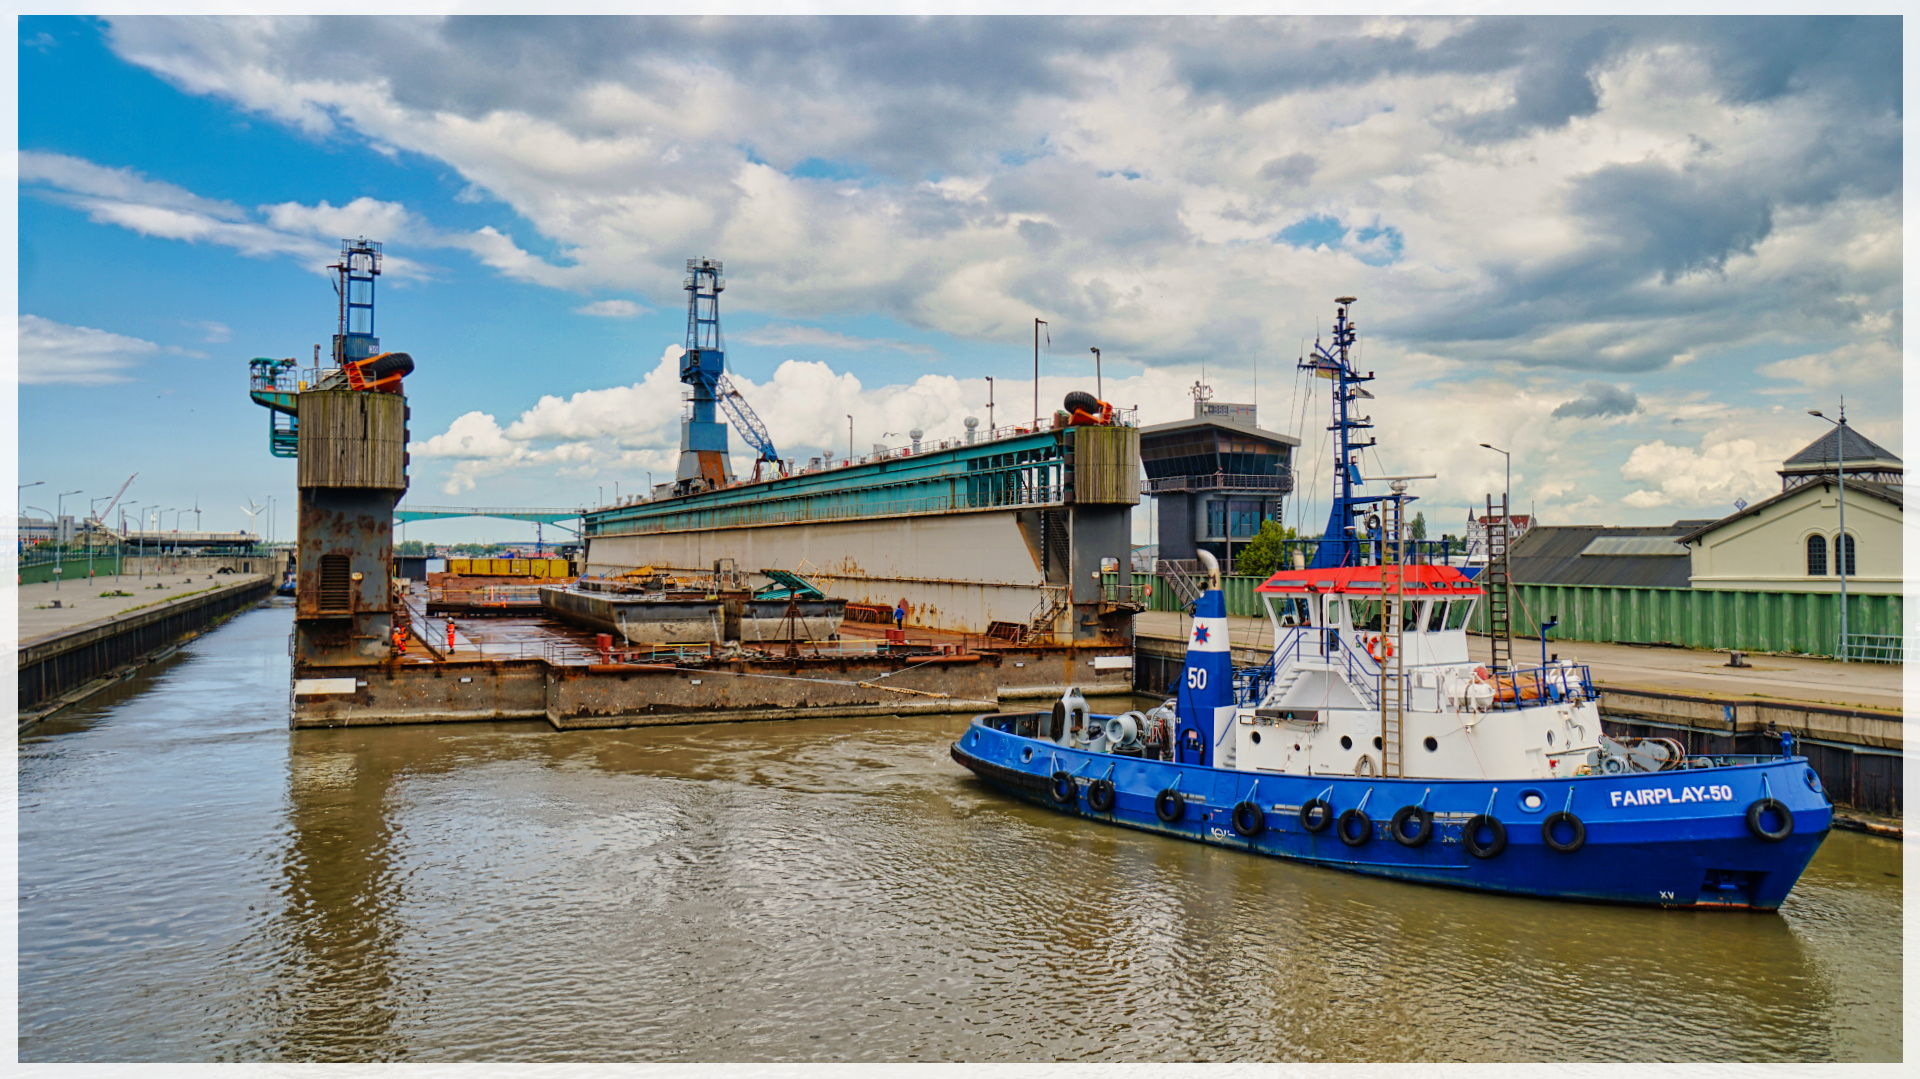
(1843, 560)
(1816, 556)
(1436, 615)
(1458, 612)
(1366, 614)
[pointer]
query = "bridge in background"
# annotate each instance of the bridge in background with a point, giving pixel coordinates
(546, 516)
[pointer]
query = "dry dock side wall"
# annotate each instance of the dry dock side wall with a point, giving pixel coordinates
(620, 695)
(956, 571)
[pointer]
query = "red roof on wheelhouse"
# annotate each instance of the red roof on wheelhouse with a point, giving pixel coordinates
(1367, 579)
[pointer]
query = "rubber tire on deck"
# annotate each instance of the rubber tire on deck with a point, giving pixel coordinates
(1579, 832)
(1418, 838)
(1249, 820)
(1312, 810)
(1366, 828)
(1758, 810)
(1063, 788)
(1169, 806)
(1470, 836)
(1100, 796)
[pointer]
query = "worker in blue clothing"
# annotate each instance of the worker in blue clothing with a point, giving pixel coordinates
(900, 615)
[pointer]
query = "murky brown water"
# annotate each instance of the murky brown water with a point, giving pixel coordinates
(197, 883)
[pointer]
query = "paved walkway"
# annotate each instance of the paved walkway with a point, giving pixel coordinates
(1672, 670)
(81, 602)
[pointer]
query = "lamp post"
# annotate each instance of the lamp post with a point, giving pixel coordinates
(58, 511)
(1097, 391)
(1841, 547)
(1506, 496)
(92, 514)
(849, 438)
(989, 406)
(1037, 323)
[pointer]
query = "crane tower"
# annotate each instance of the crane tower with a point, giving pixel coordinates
(703, 437)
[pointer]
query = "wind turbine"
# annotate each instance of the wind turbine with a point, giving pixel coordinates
(253, 512)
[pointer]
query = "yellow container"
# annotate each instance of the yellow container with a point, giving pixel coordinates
(557, 567)
(521, 567)
(538, 568)
(458, 566)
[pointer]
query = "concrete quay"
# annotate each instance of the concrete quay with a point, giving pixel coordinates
(90, 640)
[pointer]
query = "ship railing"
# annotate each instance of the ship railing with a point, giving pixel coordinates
(985, 496)
(1252, 684)
(500, 594)
(1323, 645)
(1873, 648)
(1115, 592)
(1219, 481)
(1530, 688)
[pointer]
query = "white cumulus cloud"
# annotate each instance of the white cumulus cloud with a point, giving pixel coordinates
(54, 352)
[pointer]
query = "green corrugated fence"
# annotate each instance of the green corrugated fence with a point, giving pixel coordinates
(1805, 622)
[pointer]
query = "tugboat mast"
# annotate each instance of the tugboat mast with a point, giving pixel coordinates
(1340, 544)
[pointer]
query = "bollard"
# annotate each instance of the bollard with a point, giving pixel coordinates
(604, 643)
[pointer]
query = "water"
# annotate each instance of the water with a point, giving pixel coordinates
(199, 883)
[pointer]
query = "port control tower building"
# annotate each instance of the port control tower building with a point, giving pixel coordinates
(1215, 477)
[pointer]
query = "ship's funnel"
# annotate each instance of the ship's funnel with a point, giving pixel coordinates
(1204, 701)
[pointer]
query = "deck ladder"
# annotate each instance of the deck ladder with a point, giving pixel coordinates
(1393, 600)
(1498, 583)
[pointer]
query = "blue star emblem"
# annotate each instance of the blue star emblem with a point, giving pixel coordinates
(1200, 635)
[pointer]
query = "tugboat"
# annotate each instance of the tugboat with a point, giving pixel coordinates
(1371, 742)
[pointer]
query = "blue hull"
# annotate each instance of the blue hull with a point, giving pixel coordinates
(1671, 839)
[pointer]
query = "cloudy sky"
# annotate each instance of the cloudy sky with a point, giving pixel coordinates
(1633, 251)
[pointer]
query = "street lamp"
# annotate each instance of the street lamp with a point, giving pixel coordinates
(93, 515)
(1097, 391)
(1506, 496)
(1841, 547)
(58, 511)
(989, 406)
(849, 438)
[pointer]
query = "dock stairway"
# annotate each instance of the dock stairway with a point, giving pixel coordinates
(1040, 626)
(1180, 576)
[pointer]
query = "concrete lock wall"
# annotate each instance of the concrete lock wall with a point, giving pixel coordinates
(1802, 622)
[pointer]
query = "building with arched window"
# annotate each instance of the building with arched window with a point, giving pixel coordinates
(1792, 542)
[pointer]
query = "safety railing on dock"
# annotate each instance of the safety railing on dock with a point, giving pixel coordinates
(1874, 648)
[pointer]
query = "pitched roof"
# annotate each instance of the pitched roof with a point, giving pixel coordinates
(1885, 492)
(1858, 448)
(1646, 557)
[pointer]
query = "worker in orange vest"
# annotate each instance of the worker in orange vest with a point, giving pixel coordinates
(449, 634)
(399, 641)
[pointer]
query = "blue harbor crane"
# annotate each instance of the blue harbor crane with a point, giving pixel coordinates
(703, 438)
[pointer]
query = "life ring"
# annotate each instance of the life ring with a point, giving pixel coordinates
(1249, 820)
(1756, 820)
(1149, 589)
(1351, 836)
(1470, 836)
(1169, 806)
(1063, 788)
(1380, 647)
(1421, 834)
(1315, 815)
(1100, 795)
(1579, 832)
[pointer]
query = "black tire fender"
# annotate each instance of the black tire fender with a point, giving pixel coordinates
(1100, 795)
(1756, 819)
(1249, 820)
(1355, 836)
(1315, 815)
(1421, 834)
(1064, 790)
(1579, 832)
(1169, 806)
(1470, 836)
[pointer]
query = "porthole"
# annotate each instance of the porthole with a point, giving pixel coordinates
(973, 739)
(1256, 738)
(1431, 744)
(1026, 755)
(1345, 742)
(1296, 747)
(1813, 781)
(1532, 800)
(1376, 742)
(1549, 737)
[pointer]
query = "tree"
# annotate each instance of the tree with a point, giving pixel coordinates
(1265, 552)
(1420, 526)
